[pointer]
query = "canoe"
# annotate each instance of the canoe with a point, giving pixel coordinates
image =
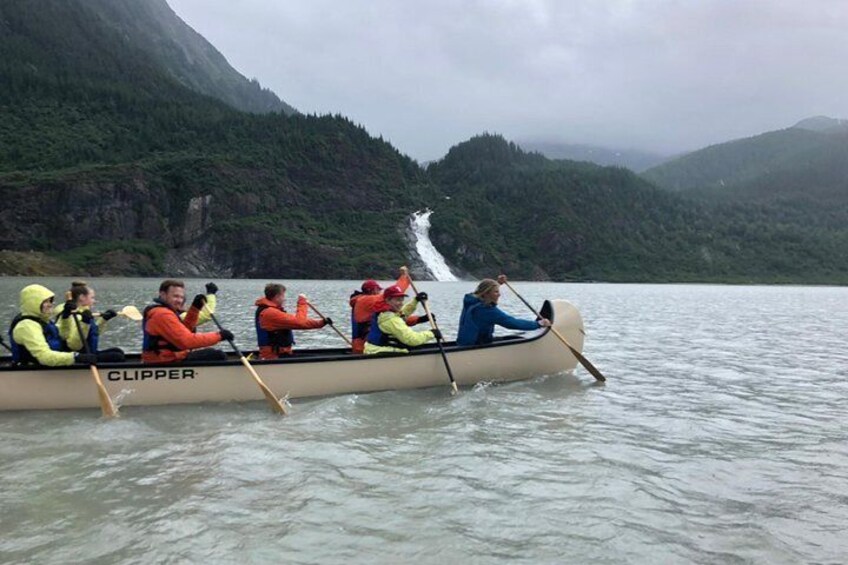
(308, 373)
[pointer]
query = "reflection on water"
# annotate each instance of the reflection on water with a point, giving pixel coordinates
(719, 437)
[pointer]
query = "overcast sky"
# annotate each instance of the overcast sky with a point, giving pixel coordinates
(657, 75)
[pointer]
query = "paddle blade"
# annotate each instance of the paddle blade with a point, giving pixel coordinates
(131, 312)
(583, 361)
(106, 406)
(272, 399)
(588, 366)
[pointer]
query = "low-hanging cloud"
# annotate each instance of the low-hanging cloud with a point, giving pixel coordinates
(657, 75)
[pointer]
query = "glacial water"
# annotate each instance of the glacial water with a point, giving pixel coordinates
(719, 437)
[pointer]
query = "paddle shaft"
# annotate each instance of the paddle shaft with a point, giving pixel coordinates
(275, 403)
(106, 406)
(433, 325)
(3, 343)
(323, 317)
(583, 361)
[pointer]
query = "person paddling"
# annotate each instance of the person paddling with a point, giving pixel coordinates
(168, 339)
(274, 325)
(35, 339)
(211, 302)
(76, 316)
(363, 304)
(389, 331)
(480, 314)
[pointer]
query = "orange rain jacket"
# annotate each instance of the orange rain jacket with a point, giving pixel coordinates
(363, 307)
(274, 318)
(174, 338)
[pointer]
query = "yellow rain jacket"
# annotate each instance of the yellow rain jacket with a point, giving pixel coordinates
(394, 324)
(68, 328)
(204, 315)
(30, 334)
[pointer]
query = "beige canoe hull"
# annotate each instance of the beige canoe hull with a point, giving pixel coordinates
(138, 385)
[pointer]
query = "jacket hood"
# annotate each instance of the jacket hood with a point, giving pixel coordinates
(265, 302)
(470, 300)
(31, 298)
(382, 306)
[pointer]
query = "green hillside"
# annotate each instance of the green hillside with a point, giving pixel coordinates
(526, 215)
(807, 162)
(737, 162)
(797, 178)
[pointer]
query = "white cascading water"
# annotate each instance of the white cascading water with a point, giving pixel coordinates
(430, 256)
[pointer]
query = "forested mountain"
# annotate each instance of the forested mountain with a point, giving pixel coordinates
(810, 158)
(110, 161)
(796, 178)
(632, 159)
(154, 28)
(50, 40)
(524, 214)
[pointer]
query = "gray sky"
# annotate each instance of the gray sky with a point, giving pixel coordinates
(657, 75)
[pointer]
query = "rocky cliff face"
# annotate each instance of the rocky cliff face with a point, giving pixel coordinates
(77, 212)
(67, 214)
(216, 219)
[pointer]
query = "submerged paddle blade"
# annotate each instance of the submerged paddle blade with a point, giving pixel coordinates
(107, 407)
(276, 405)
(579, 356)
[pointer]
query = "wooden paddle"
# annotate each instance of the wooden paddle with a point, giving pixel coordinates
(583, 361)
(130, 312)
(275, 403)
(320, 315)
(106, 405)
(433, 325)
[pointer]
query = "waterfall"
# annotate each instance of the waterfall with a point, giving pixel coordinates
(430, 256)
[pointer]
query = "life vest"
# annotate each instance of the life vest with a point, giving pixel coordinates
(277, 339)
(378, 337)
(20, 354)
(93, 334)
(155, 343)
(358, 330)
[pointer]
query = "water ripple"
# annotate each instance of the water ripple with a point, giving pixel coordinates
(718, 438)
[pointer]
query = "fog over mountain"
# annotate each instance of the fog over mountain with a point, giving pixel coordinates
(630, 158)
(658, 76)
(823, 124)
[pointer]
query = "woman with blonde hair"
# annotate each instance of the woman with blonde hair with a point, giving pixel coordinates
(480, 315)
(78, 326)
